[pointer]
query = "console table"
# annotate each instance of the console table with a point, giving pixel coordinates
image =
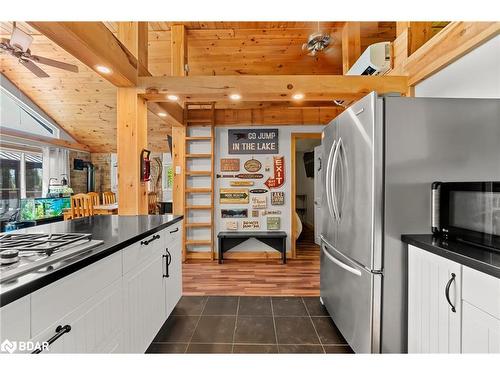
(275, 239)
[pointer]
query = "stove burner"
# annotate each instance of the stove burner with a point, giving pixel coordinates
(39, 242)
(9, 256)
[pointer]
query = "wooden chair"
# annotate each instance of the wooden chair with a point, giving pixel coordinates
(95, 198)
(81, 206)
(152, 203)
(108, 197)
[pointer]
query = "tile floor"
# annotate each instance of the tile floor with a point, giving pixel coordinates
(249, 325)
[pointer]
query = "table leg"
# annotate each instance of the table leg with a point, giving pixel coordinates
(284, 250)
(220, 251)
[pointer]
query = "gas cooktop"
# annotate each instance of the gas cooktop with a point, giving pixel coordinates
(21, 253)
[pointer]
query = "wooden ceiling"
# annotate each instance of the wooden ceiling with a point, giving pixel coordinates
(84, 104)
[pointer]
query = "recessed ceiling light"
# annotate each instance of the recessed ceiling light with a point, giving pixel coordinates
(172, 98)
(298, 96)
(103, 69)
(162, 114)
(235, 96)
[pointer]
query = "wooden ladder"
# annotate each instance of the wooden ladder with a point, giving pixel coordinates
(199, 116)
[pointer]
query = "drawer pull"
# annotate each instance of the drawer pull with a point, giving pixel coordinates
(447, 292)
(168, 260)
(60, 330)
(175, 230)
(147, 242)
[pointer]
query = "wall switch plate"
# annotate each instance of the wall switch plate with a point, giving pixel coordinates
(177, 169)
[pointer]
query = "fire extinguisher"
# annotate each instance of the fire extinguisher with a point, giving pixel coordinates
(145, 165)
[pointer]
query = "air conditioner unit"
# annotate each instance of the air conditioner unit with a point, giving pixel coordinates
(374, 61)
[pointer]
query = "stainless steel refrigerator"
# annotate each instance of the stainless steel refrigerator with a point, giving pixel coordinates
(380, 157)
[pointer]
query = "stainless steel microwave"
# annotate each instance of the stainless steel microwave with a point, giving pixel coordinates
(467, 212)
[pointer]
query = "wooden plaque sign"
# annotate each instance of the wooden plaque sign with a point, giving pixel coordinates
(241, 183)
(271, 212)
(277, 198)
(279, 173)
(253, 141)
(252, 165)
(236, 213)
(255, 213)
(251, 224)
(241, 175)
(230, 196)
(273, 223)
(259, 202)
(259, 191)
(230, 165)
(232, 225)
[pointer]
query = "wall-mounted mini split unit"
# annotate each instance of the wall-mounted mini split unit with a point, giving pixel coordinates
(374, 61)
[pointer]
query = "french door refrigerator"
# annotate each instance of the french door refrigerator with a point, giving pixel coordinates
(380, 157)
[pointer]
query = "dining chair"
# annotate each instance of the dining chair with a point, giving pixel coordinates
(108, 197)
(152, 203)
(81, 206)
(95, 198)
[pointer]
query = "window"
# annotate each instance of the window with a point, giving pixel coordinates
(21, 177)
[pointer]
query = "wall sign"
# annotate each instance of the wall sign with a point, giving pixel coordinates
(252, 141)
(232, 225)
(279, 173)
(277, 198)
(258, 191)
(252, 165)
(241, 175)
(236, 213)
(251, 224)
(259, 202)
(241, 183)
(271, 212)
(230, 196)
(255, 213)
(273, 223)
(230, 165)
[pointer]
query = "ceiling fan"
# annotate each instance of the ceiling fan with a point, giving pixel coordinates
(317, 42)
(18, 46)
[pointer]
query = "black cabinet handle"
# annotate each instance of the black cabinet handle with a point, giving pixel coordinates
(60, 330)
(147, 242)
(447, 292)
(168, 260)
(175, 230)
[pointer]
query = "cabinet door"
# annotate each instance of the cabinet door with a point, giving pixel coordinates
(144, 303)
(480, 331)
(96, 325)
(433, 326)
(14, 324)
(173, 283)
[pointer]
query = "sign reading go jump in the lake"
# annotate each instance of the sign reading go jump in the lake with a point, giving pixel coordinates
(253, 141)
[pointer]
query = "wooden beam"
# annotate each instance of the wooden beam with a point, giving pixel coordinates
(94, 45)
(131, 115)
(174, 114)
(17, 134)
(178, 45)
(273, 88)
(351, 44)
(178, 153)
(134, 35)
(420, 33)
(451, 43)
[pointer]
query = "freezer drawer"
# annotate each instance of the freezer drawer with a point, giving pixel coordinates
(352, 296)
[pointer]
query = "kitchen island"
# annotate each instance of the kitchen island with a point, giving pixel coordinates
(124, 289)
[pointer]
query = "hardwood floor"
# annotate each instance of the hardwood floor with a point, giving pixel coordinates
(299, 277)
(305, 246)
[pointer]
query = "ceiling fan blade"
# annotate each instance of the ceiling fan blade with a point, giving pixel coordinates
(54, 63)
(33, 68)
(20, 39)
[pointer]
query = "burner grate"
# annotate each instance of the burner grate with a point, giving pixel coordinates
(40, 242)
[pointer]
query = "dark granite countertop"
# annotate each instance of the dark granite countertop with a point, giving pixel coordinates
(471, 256)
(117, 232)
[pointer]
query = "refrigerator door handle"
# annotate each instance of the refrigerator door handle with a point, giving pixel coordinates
(341, 264)
(328, 179)
(334, 178)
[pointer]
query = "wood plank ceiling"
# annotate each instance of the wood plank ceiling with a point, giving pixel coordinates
(84, 104)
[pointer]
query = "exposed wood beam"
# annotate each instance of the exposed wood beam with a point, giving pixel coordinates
(351, 44)
(17, 134)
(178, 153)
(94, 45)
(174, 114)
(178, 45)
(134, 35)
(281, 104)
(273, 88)
(451, 43)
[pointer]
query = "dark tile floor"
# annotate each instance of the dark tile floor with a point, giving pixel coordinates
(249, 325)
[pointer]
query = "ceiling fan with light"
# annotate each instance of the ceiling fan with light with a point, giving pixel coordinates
(19, 46)
(317, 42)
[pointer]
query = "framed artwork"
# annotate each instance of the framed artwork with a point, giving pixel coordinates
(233, 196)
(259, 202)
(234, 213)
(273, 223)
(229, 165)
(277, 198)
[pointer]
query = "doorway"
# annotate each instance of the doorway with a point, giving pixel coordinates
(306, 195)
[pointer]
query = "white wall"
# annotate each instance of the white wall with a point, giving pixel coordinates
(221, 147)
(475, 75)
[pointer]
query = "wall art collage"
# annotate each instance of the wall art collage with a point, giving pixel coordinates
(255, 180)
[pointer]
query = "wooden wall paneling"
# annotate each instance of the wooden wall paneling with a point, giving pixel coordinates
(351, 45)
(7, 133)
(179, 51)
(131, 139)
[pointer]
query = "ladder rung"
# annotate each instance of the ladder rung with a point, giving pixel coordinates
(198, 173)
(198, 225)
(198, 155)
(198, 242)
(199, 207)
(198, 190)
(198, 138)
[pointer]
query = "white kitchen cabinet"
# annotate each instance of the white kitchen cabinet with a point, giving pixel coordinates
(173, 278)
(480, 331)
(14, 324)
(144, 300)
(434, 320)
